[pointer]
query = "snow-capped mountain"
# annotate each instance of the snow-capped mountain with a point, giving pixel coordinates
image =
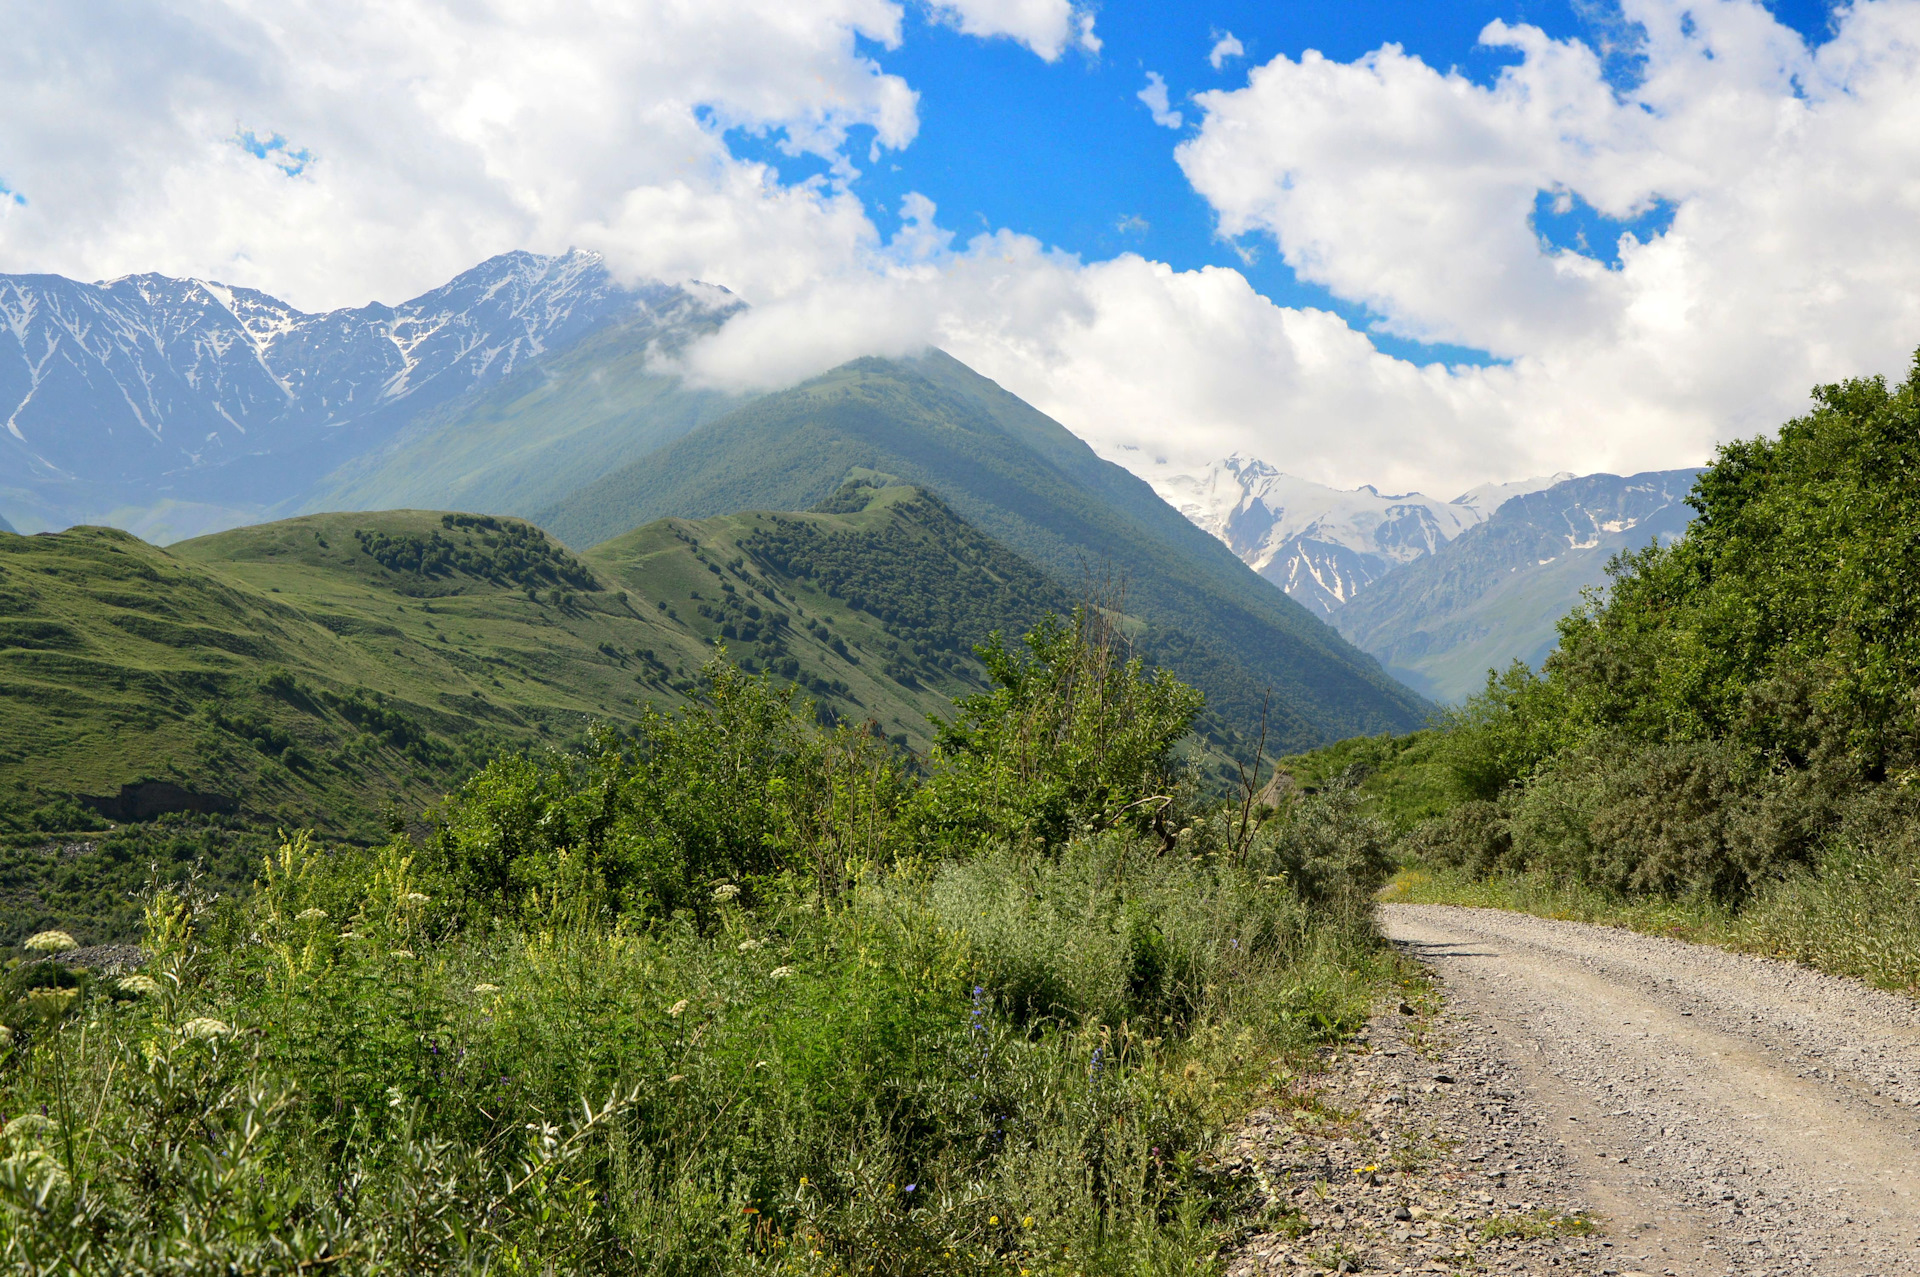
(1495, 593)
(151, 388)
(1324, 545)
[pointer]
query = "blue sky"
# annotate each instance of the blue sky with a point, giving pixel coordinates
(1068, 153)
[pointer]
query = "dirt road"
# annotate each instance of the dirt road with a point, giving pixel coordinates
(1725, 1114)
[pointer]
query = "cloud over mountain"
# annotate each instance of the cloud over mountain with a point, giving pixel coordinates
(1663, 241)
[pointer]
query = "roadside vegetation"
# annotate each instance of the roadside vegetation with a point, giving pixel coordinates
(1726, 742)
(732, 990)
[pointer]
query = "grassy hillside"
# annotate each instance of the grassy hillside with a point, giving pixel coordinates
(318, 670)
(757, 997)
(1024, 480)
(551, 429)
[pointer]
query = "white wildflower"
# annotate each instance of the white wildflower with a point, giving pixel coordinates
(486, 988)
(779, 973)
(418, 898)
(50, 942)
(50, 1004)
(748, 946)
(205, 1028)
(677, 1008)
(311, 915)
(401, 953)
(140, 986)
(725, 891)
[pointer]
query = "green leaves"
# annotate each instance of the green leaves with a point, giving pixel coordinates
(738, 785)
(1075, 734)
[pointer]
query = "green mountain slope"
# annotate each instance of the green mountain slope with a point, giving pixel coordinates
(1497, 591)
(1026, 481)
(560, 424)
(318, 670)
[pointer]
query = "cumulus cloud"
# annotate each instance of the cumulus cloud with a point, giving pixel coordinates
(1791, 175)
(1157, 368)
(1155, 96)
(1225, 45)
(1048, 27)
(335, 152)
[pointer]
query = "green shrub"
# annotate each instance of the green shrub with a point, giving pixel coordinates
(1073, 736)
(1329, 851)
(738, 785)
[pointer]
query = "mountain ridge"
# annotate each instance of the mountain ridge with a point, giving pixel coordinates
(1323, 546)
(1025, 480)
(314, 670)
(127, 393)
(1493, 595)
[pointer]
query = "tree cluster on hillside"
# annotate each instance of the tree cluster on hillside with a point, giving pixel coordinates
(490, 549)
(933, 582)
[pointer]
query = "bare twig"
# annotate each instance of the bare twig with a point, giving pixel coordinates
(1249, 781)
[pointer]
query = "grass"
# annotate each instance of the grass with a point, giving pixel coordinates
(322, 1077)
(1534, 1225)
(283, 667)
(1399, 778)
(90, 883)
(1851, 914)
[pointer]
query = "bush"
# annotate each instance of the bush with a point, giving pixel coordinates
(740, 784)
(1074, 736)
(1329, 851)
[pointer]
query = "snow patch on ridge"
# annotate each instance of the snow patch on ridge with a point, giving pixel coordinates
(1320, 544)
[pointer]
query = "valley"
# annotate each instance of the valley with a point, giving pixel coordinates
(630, 700)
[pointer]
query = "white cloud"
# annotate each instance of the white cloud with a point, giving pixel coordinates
(1791, 259)
(1149, 364)
(440, 132)
(1155, 96)
(1048, 27)
(1795, 180)
(1227, 45)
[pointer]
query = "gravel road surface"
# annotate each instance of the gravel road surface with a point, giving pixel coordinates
(1721, 1113)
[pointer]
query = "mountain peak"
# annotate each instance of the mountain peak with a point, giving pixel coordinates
(1489, 497)
(1320, 544)
(125, 392)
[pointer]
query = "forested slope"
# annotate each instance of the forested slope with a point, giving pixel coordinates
(1026, 481)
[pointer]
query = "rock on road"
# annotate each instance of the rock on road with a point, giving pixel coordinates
(1730, 1114)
